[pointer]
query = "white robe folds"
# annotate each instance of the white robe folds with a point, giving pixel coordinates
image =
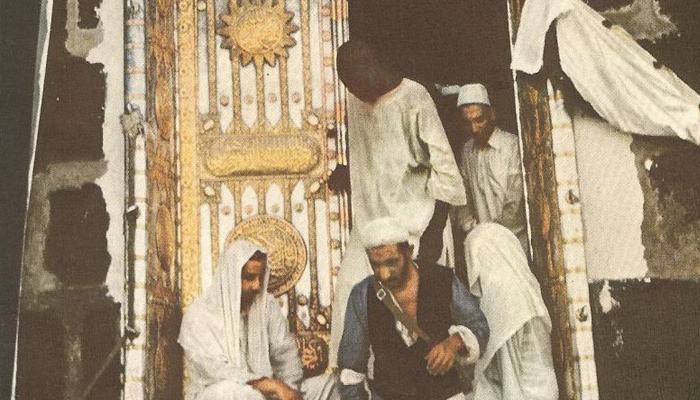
(224, 351)
(517, 362)
(609, 69)
(400, 164)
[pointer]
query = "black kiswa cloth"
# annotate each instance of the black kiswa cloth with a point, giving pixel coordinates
(400, 372)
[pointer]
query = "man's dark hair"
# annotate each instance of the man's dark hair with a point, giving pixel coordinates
(364, 72)
(258, 256)
(357, 52)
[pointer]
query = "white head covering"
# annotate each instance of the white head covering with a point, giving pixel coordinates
(473, 93)
(211, 325)
(499, 274)
(383, 231)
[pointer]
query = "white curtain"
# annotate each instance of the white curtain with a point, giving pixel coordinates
(610, 70)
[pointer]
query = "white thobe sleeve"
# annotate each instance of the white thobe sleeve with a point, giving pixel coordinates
(511, 216)
(470, 343)
(445, 182)
(284, 354)
(210, 368)
(464, 216)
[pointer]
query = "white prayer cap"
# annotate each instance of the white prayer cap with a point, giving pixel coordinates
(473, 93)
(383, 231)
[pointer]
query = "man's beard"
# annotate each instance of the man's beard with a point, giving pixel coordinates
(247, 300)
(482, 140)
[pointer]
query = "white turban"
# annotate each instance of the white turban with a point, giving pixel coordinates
(473, 93)
(383, 231)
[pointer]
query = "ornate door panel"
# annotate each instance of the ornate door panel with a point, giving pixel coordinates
(259, 113)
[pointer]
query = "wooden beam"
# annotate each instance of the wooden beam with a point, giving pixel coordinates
(544, 214)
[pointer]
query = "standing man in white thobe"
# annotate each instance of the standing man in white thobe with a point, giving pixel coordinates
(401, 164)
(490, 167)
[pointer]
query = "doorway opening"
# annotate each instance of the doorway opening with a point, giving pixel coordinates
(454, 42)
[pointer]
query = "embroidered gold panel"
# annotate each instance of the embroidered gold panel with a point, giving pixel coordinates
(163, 368)
(260, 126)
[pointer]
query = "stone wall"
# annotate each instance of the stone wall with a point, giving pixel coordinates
(640, 200)
(72, 284)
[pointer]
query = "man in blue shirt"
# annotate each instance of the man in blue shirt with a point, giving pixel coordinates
(409, 363)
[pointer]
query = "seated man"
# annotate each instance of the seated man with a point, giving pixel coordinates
(517, 362)
(417, 320)
(236, 341)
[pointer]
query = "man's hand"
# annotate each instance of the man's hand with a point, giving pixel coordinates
(275, 389)
(468, 225)
(340, 179)
(442, 357)
(287, 393)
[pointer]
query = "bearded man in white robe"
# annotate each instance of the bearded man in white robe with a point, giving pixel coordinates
(401, 163)
(236, 341)
(517, 362)
(491, 168)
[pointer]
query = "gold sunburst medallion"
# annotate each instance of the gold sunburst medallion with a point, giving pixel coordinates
(257, 31)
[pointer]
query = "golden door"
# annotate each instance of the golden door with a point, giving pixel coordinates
(259, 128)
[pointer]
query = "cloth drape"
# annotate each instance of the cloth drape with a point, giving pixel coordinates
(521, 369)
(510, 297)
(609, 69)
